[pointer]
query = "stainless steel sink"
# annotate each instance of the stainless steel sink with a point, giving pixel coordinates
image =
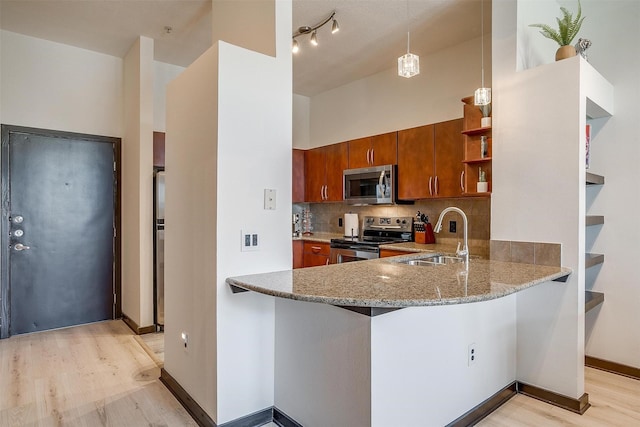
(433, 260)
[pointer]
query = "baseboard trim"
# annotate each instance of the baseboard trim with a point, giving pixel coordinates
(135, 328)
(476, 414)
(192, 407)
(283, 419)
(613, 367)
(579, 406)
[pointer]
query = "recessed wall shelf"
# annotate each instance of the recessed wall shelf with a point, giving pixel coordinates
(593, 259)
(593, 179)
(592, 300)
(594, 220)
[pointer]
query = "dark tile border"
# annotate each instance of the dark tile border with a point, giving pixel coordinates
(613, 367)
(476, 414)
(579, 406)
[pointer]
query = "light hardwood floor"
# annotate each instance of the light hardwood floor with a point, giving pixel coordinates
(615, 401)
(90, 375)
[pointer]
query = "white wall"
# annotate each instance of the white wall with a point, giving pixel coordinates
(137, 191)
(163, 73)
(190, 243)
(228, 138)
(301, 117)
(612, 330)
(385, 102)
(54, 86)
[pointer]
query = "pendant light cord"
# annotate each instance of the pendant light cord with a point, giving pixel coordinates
(482, 37)
(408, 26)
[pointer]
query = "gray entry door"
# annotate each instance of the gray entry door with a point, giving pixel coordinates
(58, 229)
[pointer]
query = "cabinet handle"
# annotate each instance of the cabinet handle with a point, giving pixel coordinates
(372, 151)
(316, 249)
(462, 181)
(368, 157)
(437, 186)
(322, 192)
(326, 192)
(327, 262)
(430, 191)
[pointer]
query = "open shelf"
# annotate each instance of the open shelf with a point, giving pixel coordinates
(473, 161)
(593, 259)
(592, 300)
(593, 179)
(594, 220)
(476, 131)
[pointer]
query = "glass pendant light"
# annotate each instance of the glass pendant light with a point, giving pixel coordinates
(408, 64)
(482, 95)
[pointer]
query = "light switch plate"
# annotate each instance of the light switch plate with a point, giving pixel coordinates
(269, 199)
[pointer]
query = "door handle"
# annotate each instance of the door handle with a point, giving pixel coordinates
(20, 247)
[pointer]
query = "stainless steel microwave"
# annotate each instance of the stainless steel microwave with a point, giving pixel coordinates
(370, 186)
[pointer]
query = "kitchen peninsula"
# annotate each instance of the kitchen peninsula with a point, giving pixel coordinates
(435, 341)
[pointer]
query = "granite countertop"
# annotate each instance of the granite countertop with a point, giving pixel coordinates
(320, 237)
(386, 283)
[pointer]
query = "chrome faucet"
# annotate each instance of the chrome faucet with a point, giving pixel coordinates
(464, 252)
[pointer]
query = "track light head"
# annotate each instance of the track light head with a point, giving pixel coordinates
(335, 27)
(314, 39)
(295, 47)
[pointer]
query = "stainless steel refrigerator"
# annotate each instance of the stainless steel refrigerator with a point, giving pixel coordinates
(158, 243)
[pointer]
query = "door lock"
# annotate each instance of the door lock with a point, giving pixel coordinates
(18, 219)
(20, 247)
(18, 233)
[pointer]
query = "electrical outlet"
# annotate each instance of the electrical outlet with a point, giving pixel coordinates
(185, 339)
(340, 222)
(472, 354)
(452, 226)
(249, 241)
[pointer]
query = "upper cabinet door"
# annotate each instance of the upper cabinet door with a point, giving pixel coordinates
(360, 153)
(448, 158)
(415, 163)
(384, 149)
(315, 172)
(337, 156)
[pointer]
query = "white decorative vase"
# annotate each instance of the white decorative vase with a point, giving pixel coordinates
(482, 187)
(485, 122)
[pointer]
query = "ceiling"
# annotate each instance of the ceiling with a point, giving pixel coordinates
(372, 32)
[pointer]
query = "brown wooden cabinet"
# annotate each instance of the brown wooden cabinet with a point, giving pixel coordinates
(315, 254)
(384, 253)
(297, 178)
(375, 150)
(298, 253)
(323, 172)
(429, 161)
(473, 159)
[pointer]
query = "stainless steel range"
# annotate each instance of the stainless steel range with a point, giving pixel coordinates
(376, 231)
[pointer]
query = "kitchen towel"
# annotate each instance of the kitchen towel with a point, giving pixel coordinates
(351, 223)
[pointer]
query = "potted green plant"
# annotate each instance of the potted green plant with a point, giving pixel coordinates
(568, 28)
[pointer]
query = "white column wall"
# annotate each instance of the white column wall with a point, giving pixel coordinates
(539, 194)
(228, 138)
(385, 102)
(137, 191)
(301, 117)
(190, 241)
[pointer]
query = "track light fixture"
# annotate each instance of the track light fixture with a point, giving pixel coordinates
(295, 47)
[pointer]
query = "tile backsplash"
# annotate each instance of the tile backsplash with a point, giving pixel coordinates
(325, 216)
